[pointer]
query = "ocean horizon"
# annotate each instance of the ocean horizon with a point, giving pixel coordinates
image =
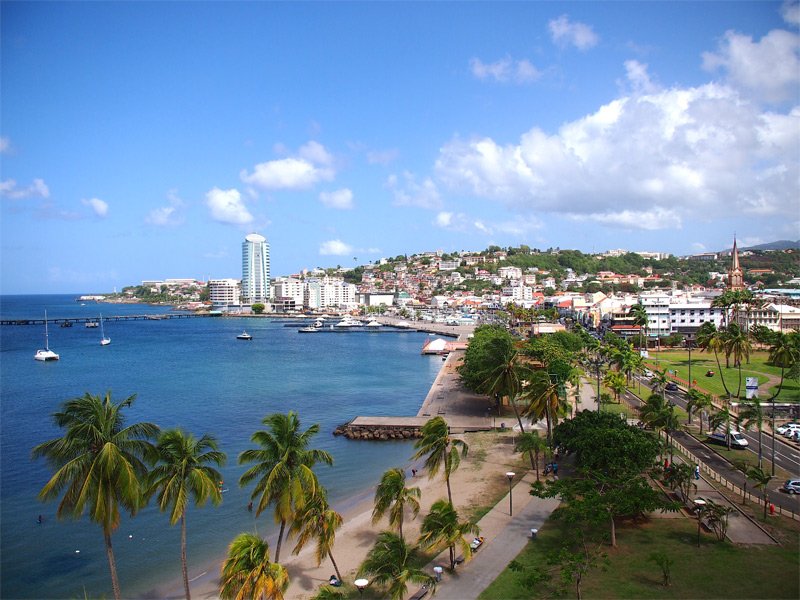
(193, 374)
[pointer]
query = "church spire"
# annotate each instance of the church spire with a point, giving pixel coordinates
(735, 275)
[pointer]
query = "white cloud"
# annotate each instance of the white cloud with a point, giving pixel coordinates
(227, 207)
(639, 78)
(790, 11)
(37, 189)
(341, 199)
(167, 216)
(335, 248)
(505, 70)
(99, 207)
(656, 159)
(312, 165)
(413, 193)
(565, 33)
(5, 144)
(768, 69)
(382, 157)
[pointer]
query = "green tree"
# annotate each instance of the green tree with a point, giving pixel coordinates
(784, 353)
(393, 563)
(751, 414)
(283, 469)
(696, 403)
(615, 381)
(99, 464)
(442, 527)
(393, 497)
(317, 521)
(680, 478)
(183, 472)
(440, 450)
(641, 319)
(531, 443)
(761, 480)
(258, 308)
(544, 401)
(247, 572)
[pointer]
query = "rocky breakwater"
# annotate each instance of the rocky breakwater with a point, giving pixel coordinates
(377, 432)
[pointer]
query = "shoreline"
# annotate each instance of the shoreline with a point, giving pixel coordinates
(357, 533)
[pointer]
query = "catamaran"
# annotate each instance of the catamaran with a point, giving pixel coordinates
(46, 354)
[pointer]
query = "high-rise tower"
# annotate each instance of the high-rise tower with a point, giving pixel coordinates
(255, 269)
(735, 275)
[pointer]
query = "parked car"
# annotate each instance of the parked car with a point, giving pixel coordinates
(720, 437)
(792, 486)
(793, 434)
(671, 387)
(784, 429)
(648, 373)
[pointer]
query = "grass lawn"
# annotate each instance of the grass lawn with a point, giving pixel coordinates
(678, 360)
(714, 570)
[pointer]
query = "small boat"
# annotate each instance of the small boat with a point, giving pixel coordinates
(104, 341)
(244, 336)
(91, 324)
(46, 354)
(374, 324)
(66, 324)
(309, 329)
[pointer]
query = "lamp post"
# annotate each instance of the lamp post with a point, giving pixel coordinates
(597, 363)
(361, 584)
(689, 345)
(510, 476)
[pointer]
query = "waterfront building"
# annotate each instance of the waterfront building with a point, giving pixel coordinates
(289, 287)
(329, 292)
(224, 292)
(255, 269)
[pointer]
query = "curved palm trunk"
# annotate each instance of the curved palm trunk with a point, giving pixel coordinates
(537, 466)
(453, 555)
(112, 566)
(183, 556)
(613, 532)
(760, 447)
(280, 539)
(549, 428)
(516, 413)
(449, 493)
(399, 529)
(335, 566)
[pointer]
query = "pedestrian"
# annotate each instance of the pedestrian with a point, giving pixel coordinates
(555, 469)
(697, 471)
(666, 464)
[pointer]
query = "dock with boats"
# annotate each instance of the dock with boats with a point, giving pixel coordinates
(69, 321)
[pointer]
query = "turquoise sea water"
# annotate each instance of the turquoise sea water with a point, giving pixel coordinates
(194, 374)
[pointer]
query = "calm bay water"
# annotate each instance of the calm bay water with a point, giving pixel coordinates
(193, 374)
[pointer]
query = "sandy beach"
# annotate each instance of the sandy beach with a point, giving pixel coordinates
(478, 481)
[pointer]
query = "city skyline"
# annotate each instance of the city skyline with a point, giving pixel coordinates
(146, 140)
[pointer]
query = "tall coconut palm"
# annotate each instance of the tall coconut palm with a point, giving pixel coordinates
(99, 464)
(640, 318)
(393, 497)
(318, 522)
(697, 402)
(440, 450)
(441, 527)
(615, 381)
(737, 344)
(183, 472)
(506, 378)
(392, 563)
(784, 352)
(659, 381)
(247, 572)
(751, 414)
(283, 469)
(531, 443)
(544, 401)
(761, 480)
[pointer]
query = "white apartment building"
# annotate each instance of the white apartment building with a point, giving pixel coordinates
(519, 294)
(255, 269)
(510, 272)
(777, 317)
(678, 314)
(223, 292)
(328, 292)
(289, 287)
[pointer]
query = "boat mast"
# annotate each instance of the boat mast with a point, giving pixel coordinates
(46, 334)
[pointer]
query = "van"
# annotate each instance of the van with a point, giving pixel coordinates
(720, 437)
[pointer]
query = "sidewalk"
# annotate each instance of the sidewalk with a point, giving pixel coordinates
(504, 538)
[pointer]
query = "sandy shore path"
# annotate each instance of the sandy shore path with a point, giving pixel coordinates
(479, 482)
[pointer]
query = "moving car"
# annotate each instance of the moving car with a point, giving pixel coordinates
(736, 438)
(671, 387)
(792, 486)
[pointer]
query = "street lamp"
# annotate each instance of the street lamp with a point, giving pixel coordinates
(510, 475)
(689, 345)
(361, 584)
(597, 362)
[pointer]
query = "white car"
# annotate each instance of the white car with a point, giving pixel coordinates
(788, 427)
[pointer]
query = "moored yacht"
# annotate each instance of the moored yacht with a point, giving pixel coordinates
(46, 354)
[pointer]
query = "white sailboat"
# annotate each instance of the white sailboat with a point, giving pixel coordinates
(104, 341)
(45, 354)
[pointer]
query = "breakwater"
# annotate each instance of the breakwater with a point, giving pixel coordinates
(378, 432)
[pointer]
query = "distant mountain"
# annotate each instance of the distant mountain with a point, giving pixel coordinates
(779, 245)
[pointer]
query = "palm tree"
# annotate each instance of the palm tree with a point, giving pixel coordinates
(247, 572)
(183, 472)
(505, 379)
(283, 468)
(441, 451)
(441, 527)
(99, 464)
(761, 480)
(737, 344)
(659, 381)
(698, 402)
(531, 443)
(392, 562)
(615, 381)
(751, 413)
(652, 412)
(785, 353)
(392, 496)
(317, 521)
(680, 478)
(544, 400)
(640, 318)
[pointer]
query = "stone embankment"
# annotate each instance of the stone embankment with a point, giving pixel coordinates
(377, 432)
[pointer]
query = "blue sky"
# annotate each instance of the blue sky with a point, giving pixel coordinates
(145, 140)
